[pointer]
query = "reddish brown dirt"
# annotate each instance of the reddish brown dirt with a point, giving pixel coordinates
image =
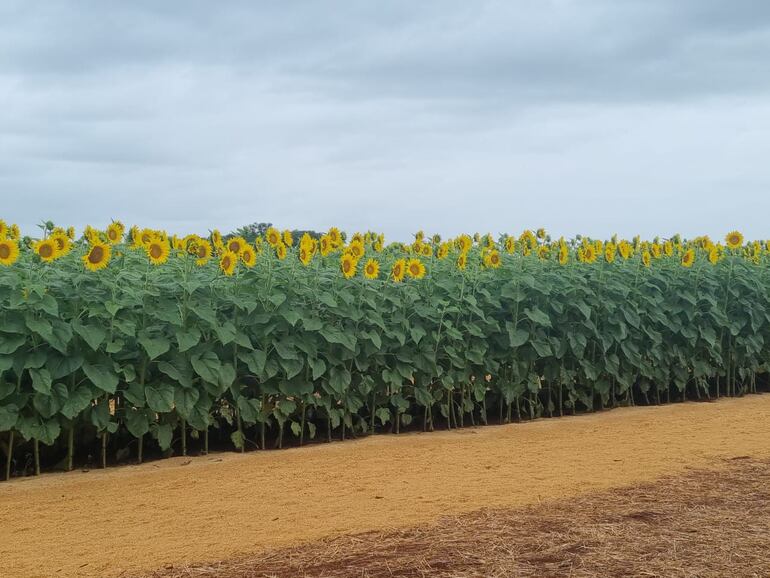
(186, 510)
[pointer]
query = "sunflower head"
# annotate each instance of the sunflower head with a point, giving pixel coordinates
(589, 254)
(228, 262)
(202, 252)
(325, 245)
(158, 250)
(646, 258)
(46, 249)
(688, 258)
(625, 249)
(415, 269)
(372, 269)
(216, 237)
(98, 256)
(398, 270)
(335, 237)
(609, 252)
(734, 239)
(492, 259)
(273, 237)
(287, 238)
(714, 255)
(427, 251)
(9, 251)
(280, 251)
(248, 256)
(510, 245)
(356, 248)
(348, 265)
(3, 229)
(668, 248)
(563, 254)
(115, 232)
(443, 251)
(236, 244)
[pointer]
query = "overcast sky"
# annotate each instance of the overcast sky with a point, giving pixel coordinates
(593, 116)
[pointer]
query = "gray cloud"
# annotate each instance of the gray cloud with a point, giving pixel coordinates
(591, 116)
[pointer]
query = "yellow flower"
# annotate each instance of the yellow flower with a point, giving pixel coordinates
(46, 250)
(492, 259)
(714, 255)
(656, 250)
(227, 262)
(415, 269)
(609, 252)
(62, 242)
(563, 254)
(91, 234)
(14, 232)
(157, 251)
(646, 258)
(326, 245)
(734, 239)
(280, 251)
(98, 256)
(3, 229)
(216, 237)
(399, 270)
(443, 251)
(356, 248)
(668, 248)
(248, 256)
(348, 265)
(510, 245)
(625, 249)
(544, 252)
(464, 243)
(258, 241)
(202, 252)
(287, 239)
(115, 232)
(372, 269)
(305, 255)
(273, 237)
(9, 251)
(236, 244)
(335, 237)
(427, 251)
(589, 254)
(541, 233)
(146, 236)
(688, 258)
(528, 239)
(462, 261)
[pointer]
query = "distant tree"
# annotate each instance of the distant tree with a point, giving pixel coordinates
(254, 230)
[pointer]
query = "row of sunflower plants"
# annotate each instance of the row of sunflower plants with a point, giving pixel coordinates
(157, 339)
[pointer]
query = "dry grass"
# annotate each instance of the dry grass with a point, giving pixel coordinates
(707, 523)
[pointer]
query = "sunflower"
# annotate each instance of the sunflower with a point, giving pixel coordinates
(589, 254)
(248, 256)
(688, 258)
(609, 252)
(202, 252)
(415, 269)
(287, 238)
(115, 232)
(335, 237)
(273, 237)
(510, 245)
(227, 262)
(528, 239)
(668, 248)
(541, 233)
(146, 236)
(656, 250)
(543, 252)
(372, 269)
(216, 237)
(348, 265)
(714, 255)
(157, 251)
(46, 250)
(9, 251)
(427, 251)
(305, 256)
(236, 244)
(258, 242)
(280, 251)
(98, 256)
(398, 270)
(357, 238)
(356, 248)
(325, 245)
(443, 251)
(62, 242)
(563, 254)
(92, 234)
(464, 243)
(734, 239)
(625, 249)
(377, 245)
(3, 229)
(71, 233)
(14, 232)
(646, 258)
(492, 259)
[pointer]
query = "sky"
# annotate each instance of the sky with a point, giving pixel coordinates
(595, 116)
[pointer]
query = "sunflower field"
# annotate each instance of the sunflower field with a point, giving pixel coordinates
(120, 343)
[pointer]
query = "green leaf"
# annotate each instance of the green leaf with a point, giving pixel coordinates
(41, 380)
(538, 316)
(517, 336)
(160, 397)
(339, 379)
(77, 400)
(10, 343)
(9, 415)
(164, 434)
(185, 400)
(93, 335)
(101, 377)
(207, 366)
(187, 338)
(137, 422)
(154, 346)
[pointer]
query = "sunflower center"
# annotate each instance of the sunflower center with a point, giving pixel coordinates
(113, 234)
(46, 251)
(156, 251)
(96, 255)
(201, 252)
(226, 262)
(5, 251)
